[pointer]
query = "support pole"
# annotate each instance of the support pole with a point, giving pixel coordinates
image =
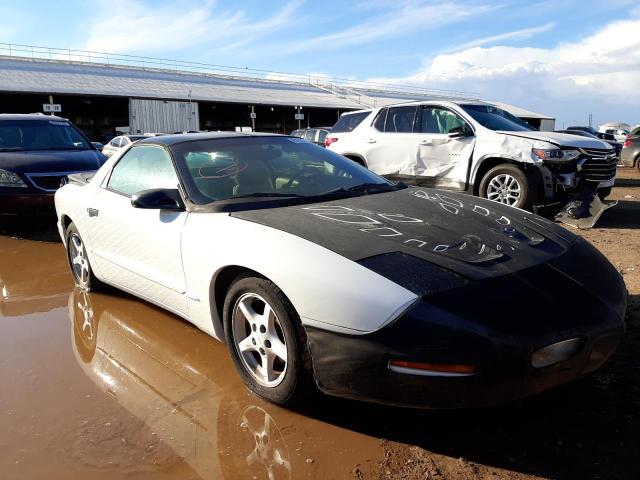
(253, 118)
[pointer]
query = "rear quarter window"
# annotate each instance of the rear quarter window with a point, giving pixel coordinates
(349, 122)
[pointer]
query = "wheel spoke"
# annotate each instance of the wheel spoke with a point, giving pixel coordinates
(247, 345)
(269, 358)
(279, 349)
(268, 317)
(262, 370)
(249, 313)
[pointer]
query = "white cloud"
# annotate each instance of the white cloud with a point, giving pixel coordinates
(129, 25)
(398, 19)
(599, 73)
(522, 34)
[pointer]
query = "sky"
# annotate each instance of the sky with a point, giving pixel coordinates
(563, 58)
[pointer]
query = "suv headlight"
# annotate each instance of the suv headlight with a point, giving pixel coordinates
(555, 155)
(10, 179)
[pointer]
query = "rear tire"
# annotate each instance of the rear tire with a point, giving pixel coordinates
(509, 185)
(81, 270)
(266, 341)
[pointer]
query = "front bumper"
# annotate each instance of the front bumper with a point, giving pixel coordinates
(26, 202)
(494, 324)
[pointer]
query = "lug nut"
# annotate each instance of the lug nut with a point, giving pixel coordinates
(263, 329)
(253, 340)
(267, 343)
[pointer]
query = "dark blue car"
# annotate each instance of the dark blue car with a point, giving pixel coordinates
(36, 153)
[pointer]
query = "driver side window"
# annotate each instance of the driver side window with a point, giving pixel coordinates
(440, 120)
(142, 168)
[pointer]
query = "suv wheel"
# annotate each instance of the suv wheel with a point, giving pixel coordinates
(507, 184)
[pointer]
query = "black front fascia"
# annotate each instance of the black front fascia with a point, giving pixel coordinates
(495, 324)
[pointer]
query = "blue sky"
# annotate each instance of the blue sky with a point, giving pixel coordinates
(565, 58)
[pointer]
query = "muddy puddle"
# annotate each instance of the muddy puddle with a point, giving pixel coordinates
(107, 386)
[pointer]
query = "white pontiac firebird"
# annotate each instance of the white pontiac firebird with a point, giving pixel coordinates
(318, 273)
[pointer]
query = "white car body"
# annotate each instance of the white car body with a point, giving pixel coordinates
(174, 262)
(375, 272)
(455, 162)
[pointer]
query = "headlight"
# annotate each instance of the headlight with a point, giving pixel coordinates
(10, 179)
(555, 155)
(556, 352)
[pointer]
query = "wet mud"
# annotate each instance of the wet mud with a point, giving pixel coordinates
(104, 385)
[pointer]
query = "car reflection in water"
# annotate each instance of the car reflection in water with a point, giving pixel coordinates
(162, 371)
(34, 277)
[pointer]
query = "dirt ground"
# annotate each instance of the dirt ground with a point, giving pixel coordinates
(586, 430)
(105, 386)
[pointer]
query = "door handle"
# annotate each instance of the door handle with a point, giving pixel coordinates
(92, 212)
(371, 140)
(425, 142)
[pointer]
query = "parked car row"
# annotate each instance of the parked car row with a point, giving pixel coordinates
(240, 230)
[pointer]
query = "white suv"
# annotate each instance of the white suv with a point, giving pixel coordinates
(474, 147)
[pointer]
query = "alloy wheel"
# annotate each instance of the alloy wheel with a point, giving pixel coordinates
(79, 262)
(259, 339)
(504, 188)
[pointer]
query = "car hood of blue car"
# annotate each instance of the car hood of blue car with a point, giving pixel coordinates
(48, 161)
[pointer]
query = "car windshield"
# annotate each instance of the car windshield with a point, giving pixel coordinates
(495, 118)
(18, 135)
(227, 168)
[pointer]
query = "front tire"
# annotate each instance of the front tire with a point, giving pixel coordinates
(81, 270)
(266, 341)
(507, 184)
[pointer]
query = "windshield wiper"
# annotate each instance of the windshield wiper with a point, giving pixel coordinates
(372, 187)
(367, 188)
(11, 149)
(267, 194)
(60, 148)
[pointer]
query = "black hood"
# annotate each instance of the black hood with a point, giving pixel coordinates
(468, 235)
(47, 161)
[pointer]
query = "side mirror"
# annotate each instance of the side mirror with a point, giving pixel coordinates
(158, 199)
(461, 132)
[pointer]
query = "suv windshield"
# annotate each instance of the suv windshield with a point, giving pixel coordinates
(17, 135)
(226, 168)
(349, 121)
(495, 118)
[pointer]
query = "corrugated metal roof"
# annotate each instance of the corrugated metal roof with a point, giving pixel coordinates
(40, 75)
(43, 76)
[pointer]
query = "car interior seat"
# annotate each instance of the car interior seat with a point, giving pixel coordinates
(254, 178)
